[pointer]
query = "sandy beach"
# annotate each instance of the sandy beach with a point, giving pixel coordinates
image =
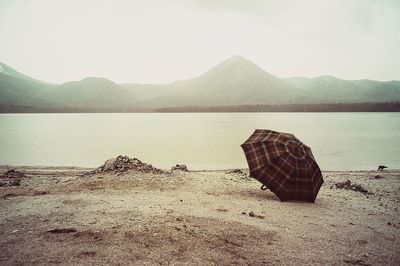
(58, 215)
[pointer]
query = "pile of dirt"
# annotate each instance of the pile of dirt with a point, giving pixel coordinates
(352, 186)
(11, 178)
(180, 167)
(13, 174)
(236, 171)
(123, 164)
(239, 173)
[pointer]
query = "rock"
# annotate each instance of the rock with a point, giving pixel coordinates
(251, 214)
(11, 178)
(378, 177)
(235, 171)
(352, 186)
(356, 262)
(15, 182)
(238, 172)
(13, 174)
(110, 165)
(181, 167)
(87, 253)
(62, 231)
(10, 183)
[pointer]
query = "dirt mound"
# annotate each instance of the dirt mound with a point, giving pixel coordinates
(11, 178)
(352, 186)
(236, 171)
(239, 173)
(180, 167)
(123, 164)
(13, 174)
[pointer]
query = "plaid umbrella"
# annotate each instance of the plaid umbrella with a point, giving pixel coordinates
(284, 164)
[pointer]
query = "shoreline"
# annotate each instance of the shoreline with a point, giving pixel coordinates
(84, 168)
(61, 216)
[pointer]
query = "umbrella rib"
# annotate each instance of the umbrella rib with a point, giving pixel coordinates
(268, 162)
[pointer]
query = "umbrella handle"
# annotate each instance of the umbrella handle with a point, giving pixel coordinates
(264, 187)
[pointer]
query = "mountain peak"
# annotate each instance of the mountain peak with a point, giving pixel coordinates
(236, 59)
(9, 71)
(96, 80)
(236, 67)
(91, 82)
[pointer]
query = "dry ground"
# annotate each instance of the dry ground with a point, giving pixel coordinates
(58, 216)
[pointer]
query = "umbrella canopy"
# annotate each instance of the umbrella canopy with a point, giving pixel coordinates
(284, 164)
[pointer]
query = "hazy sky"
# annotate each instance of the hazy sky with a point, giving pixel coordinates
(152, 41)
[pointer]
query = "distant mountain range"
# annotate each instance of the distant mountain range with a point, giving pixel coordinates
(234, 82)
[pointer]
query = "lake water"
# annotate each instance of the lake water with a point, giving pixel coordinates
(339, 141)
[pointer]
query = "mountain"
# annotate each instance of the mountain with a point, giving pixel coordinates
(89, 92)
(21, 91)
(328, 89)
(9, 71)
(17, 89)
(236, 81)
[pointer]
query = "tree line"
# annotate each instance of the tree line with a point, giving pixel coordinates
(325, 107)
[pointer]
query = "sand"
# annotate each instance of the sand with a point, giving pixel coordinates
(59, 216)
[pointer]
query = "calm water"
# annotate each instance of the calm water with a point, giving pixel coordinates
(340, 141)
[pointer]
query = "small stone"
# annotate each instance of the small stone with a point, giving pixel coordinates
(62, 230)
(251, 214)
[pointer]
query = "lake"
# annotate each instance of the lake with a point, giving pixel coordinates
(339, 141)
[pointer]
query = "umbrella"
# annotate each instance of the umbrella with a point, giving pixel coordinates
(283, 164)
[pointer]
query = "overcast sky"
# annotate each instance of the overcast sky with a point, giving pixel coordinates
(152, 41)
